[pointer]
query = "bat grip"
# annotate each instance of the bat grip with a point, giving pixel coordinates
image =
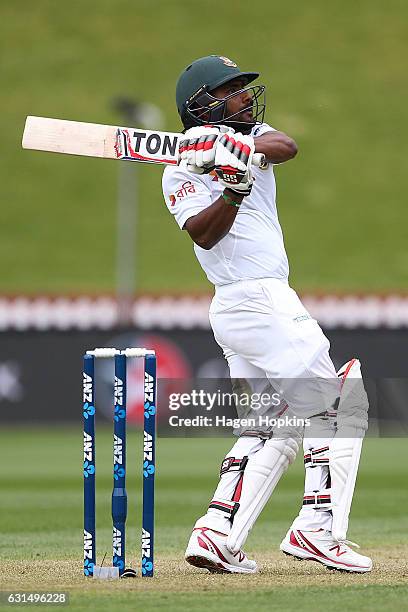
(258, 159)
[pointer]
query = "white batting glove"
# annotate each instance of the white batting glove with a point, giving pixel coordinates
(233, 160)
(198, 145)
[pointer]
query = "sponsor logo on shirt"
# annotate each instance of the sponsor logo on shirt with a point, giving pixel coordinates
(182, 192)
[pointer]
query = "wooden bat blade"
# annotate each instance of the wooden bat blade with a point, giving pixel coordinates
(96, 140)
(71, 137)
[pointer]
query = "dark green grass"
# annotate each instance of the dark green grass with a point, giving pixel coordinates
(336, 80)
(365, 598)
(41, 495)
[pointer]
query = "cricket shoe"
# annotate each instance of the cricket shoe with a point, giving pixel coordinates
(208, 549)
(322, 547)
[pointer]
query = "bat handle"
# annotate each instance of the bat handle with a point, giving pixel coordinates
(258, 159)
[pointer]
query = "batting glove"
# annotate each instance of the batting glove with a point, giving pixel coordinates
(198, 145)
(233, 160)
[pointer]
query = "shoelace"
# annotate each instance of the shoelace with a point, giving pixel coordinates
(348, 543)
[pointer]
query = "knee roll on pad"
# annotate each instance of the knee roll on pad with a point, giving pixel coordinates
(289, 448)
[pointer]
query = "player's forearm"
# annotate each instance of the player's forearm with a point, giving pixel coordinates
(210, 225)
(276, 146)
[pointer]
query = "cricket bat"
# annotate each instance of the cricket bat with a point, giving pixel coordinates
(111, 142)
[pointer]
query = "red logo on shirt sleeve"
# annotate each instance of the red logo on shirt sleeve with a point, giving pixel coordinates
(186, 188)
(182, 192)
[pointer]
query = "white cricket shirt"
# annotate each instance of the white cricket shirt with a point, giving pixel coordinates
(253, 248)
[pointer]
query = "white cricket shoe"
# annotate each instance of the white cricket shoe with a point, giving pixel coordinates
(322, 547)
(208, 549)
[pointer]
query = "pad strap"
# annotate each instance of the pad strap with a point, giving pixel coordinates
(231, 464)
(256, 433)
(229, 507)
(317, 456)
(319, 500)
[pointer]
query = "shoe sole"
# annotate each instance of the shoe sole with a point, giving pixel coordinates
(215, 566)
(204, 563)
(297, 554)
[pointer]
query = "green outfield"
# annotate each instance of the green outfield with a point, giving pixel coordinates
(336, 81)
(41, 543)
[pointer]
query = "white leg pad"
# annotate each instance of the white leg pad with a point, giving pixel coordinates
(344, 461)
(262, 473)
(345, 448)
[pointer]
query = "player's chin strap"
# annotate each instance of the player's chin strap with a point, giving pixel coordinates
(342, 455)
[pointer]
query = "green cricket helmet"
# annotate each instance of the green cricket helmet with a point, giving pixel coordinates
(197, 106)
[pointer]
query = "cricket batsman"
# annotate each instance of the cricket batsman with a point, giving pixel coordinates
(228, 207)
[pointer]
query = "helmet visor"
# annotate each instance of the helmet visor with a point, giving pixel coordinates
(206, 108)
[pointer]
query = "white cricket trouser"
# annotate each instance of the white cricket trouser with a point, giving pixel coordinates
(265, 332)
